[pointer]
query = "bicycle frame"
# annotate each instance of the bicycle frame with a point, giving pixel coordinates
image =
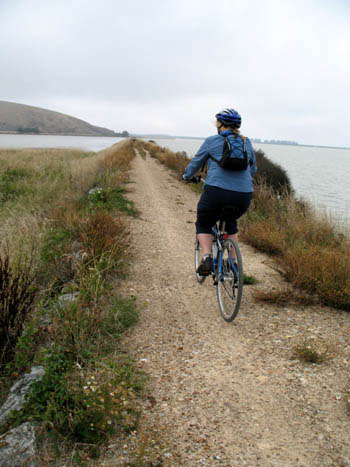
(218, 233)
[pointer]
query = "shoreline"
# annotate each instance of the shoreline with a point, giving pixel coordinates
(60, 134)
(199, 138)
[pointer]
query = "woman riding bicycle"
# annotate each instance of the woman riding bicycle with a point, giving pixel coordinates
(222, 187)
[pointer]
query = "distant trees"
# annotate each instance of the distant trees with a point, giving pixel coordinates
(123, 134)
(36, 131)
(28, 130)
(274, 141)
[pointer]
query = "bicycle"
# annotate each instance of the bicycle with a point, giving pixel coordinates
(227, 273)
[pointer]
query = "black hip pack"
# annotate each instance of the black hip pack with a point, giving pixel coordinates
(234, 154)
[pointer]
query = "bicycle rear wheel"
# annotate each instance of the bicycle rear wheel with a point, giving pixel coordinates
(197, 261)
(230, 285)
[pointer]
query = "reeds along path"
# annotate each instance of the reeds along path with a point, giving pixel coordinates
(69, 243)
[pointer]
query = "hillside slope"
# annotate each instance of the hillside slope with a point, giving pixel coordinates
(15, 116)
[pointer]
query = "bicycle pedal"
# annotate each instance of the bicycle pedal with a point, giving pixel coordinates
(204, 273)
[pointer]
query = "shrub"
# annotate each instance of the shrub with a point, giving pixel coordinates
(272, 174)
(17, 293)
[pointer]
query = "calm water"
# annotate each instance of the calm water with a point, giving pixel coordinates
(88, 143)
(321, 175)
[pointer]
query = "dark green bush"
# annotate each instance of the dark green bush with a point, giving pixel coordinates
(17, 293)
(272, 174)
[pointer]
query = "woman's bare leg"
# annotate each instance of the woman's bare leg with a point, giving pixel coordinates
(205, 241)
(235, 238)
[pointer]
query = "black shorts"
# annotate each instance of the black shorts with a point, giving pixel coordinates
(210, 205)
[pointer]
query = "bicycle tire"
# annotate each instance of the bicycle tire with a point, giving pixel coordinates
(230, 288)
(197, 261)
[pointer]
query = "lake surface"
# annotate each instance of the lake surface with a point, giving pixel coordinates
(87, 143)
(320, 175)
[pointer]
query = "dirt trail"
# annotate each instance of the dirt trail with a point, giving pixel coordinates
(228, 394)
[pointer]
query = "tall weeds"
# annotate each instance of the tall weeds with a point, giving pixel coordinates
(313, 253)
(81, 245)
(17, 293)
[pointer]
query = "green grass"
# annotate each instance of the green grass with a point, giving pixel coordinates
(307, 352)
(109, 199)
(54, 243)
(12, 186)
(249, 280)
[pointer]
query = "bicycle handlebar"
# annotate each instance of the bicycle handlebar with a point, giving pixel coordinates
(195, 179)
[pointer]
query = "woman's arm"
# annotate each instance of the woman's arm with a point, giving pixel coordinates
(251, 155)
(197, 162)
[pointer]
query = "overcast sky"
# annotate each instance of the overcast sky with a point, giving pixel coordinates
(167, 66)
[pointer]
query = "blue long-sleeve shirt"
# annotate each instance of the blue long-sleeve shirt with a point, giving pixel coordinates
(229, 180)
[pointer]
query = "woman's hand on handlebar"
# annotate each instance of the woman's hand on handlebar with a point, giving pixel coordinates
(195, 179)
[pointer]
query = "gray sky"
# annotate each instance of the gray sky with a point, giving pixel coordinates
(167, 66)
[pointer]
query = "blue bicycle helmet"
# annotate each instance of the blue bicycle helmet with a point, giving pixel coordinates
(229, 117)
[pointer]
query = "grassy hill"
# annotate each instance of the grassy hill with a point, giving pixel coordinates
(19, 118)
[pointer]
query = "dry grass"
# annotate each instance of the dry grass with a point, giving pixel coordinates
(80, 245)
(100, 233)
(283, 296)
(313, 253)
(36, 180)
(117, 157)
(176, 161)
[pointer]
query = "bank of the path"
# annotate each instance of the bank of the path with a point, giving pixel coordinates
(228, 394)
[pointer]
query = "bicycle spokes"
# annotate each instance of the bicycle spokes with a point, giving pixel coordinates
(230, 284)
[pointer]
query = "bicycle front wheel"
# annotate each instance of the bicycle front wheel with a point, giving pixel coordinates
(230, 284)
(198, 260)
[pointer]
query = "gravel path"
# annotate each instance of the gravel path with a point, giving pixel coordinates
(228, 394)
